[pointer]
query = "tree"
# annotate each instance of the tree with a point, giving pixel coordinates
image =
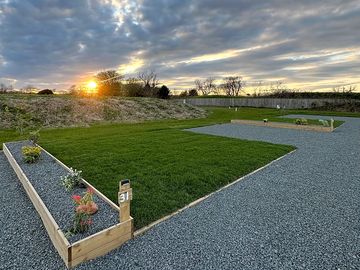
(205, 87)
(164, 92)
(46, 92)
(148, 78)
(5, 88)
(209, 85)
(193, 93)
(109, 83)
(73, 90)
(133, 88)
(233, 85)
(344, 89)
(183, 94)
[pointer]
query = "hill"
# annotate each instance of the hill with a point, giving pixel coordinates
(67, 111)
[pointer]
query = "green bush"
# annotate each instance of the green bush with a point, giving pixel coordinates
(301, 121)
(71, 180)
(31, 154)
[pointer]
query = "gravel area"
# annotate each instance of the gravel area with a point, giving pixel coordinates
(24, 243)
(301, 212)
(45, 175)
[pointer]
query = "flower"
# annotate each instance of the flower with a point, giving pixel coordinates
(82, 208)
(76, 198)
(90, 190)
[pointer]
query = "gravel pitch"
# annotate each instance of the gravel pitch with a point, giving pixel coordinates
(44, 175)
(301, 212)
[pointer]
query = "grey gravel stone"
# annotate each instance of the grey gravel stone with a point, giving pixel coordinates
(301, 212)
(24, 243)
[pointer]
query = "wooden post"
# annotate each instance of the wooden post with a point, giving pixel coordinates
(332, 124)
(124, 198)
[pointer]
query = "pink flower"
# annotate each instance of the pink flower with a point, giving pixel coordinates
(90, 190)
(76, 198)
(82, 208)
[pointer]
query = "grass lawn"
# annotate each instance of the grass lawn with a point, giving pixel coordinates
(168, 167)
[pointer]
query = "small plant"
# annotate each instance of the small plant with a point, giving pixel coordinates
(31, 154)
(325, 123)
(84, 208)
(72, 179)
(301, 121)
(34, 136)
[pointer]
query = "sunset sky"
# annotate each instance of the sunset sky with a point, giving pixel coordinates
(312, 45)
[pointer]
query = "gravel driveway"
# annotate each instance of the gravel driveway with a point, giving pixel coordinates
(301, 212)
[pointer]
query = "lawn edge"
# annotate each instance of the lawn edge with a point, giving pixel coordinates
(143, 230)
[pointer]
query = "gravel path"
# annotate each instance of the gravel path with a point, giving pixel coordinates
(301, 212)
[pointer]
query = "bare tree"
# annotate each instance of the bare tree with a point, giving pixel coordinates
(344, 89)
(148, 78)
(206, 87)
(199, 86)
(5, 88)
(233, 85)
(209, 85)
(258, 89)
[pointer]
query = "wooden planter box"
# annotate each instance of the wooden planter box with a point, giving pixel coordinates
(283, 125)
(92, 246)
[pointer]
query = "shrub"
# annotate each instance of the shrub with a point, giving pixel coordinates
(183, 94)
(31, 154)
(325, 123)
(71, 180)
(34, 136)
(84, 208)
(46, 92)
(164, 92)
(301, 121)
(193, 93)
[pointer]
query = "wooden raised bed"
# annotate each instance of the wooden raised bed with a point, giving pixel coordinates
(94, 245)
(283, 125)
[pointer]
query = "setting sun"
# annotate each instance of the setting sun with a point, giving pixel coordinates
(92, 85)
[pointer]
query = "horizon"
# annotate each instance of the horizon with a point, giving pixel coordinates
(55, 44)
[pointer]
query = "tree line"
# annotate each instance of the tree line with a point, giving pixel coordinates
(112, 83)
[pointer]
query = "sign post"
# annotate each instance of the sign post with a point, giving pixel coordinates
(124, 198)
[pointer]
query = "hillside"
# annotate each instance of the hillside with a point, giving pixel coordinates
(66, 111)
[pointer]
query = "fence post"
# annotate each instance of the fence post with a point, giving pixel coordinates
(124, 198)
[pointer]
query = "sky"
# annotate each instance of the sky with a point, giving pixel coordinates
(309, 45)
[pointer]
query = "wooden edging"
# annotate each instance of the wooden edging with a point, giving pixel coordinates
(87, 248)
(283, 125)
(151, 225)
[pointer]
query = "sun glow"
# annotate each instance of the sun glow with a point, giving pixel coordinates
(91, 87)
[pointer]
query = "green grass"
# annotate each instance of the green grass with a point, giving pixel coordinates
(168, 167)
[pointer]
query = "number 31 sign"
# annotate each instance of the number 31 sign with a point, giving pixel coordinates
(123, 197)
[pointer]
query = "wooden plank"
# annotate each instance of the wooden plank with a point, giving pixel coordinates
(101, 243)
(83, 246)
(282, 125)
(97, 192)
(101, 250)
(56, 235)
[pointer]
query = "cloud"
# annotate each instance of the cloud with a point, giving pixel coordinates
(310, 44)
